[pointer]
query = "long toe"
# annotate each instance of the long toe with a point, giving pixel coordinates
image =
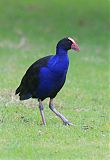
(67, 123)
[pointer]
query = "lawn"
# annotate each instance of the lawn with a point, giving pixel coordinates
(30, 30)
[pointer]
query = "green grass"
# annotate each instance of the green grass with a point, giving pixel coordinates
(30, 30)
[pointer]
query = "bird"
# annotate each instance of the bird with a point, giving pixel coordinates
(45, 78)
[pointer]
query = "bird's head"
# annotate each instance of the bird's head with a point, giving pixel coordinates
(67, 44)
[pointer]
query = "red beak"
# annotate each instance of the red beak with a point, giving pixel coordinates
(75, 47)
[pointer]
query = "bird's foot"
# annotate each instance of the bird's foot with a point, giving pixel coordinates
(67, 123)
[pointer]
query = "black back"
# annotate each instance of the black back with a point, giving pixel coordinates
(30, 80)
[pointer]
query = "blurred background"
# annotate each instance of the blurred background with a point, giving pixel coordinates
(29, 30)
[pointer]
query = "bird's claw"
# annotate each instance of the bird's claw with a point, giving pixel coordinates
(67, 123)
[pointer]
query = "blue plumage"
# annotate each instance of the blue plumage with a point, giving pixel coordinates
(52, 76)
(46, 77)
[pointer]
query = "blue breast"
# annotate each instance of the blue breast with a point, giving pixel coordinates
(52, 77)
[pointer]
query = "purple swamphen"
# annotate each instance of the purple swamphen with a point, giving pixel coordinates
(46, 77)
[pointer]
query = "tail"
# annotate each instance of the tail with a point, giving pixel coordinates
(17, 90)
(23, 94)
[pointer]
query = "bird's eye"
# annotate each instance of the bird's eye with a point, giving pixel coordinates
(69, 42)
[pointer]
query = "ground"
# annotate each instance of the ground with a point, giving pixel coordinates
(30, 30)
